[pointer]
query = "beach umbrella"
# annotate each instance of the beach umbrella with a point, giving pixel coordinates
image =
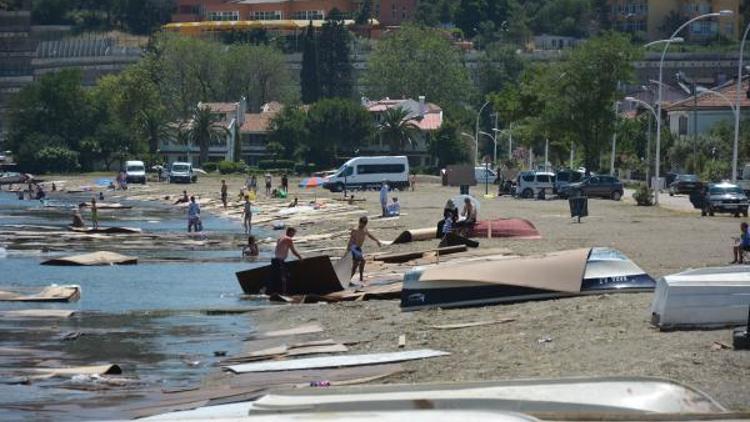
(311, 182)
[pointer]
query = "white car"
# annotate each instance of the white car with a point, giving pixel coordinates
(135, 172)
(182, 172)
(530, 183)
(484, 175)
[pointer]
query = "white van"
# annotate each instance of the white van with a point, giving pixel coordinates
(364, 172)
(135, 172)
(182, 172)
(529, 183)
(484, 175)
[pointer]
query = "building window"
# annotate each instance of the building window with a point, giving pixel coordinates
(393, 11)
(228, 15)
(404, 15)
(308, 15)
(270, 15)
(683, 125)
(189, 9)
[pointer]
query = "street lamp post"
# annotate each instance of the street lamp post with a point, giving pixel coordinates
(614, 143)
(667, 43)
(476, 133)
(648, 107)
(737, 104)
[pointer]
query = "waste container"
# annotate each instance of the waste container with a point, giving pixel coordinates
(579, 206)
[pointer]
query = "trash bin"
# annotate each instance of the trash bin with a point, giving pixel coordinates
(579, 207)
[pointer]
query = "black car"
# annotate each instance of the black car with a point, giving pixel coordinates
(596, 186)
(721, 198)
(685, 183)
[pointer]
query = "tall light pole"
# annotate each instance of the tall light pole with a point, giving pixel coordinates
(614, 143)
(667, 42)
(493, 138)
(737, 104)
(648, 107)
(476, 133)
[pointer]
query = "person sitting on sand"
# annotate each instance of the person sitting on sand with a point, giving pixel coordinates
(743, 244)
(101, 196)
(394, 208)
(356, 240)
(247, 216)
(251, 249)
(40, 195)
(469, 214)
(184, 199)
(293, 203)
(78, 218)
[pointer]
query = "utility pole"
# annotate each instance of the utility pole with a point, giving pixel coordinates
(494, 140)
(546, 153)
(614, 143)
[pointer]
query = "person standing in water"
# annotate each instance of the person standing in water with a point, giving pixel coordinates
(194, 215)
(356, 240)
(224, 193)
(247, 216)
(94, 214)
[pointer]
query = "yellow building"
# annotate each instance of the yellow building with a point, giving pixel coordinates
(649, 16)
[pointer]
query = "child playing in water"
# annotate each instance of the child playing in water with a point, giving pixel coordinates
(251, 249)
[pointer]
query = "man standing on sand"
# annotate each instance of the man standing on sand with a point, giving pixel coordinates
(356, 240)
(285, 183)
(269, 182)
(194, 215)
(384, 198)
(94, 214)
(279, 277)
(413, 181)
(224, 193)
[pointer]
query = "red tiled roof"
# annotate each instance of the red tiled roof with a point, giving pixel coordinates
(431, 121)
(221, 107)
(712, 101)
(257, 122)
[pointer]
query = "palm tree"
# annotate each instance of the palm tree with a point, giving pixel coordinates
(153, 126)
(397, 128)
(205, 130)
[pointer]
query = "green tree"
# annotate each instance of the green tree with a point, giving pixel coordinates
(256, 72)
(446, 145)
(205, 130)
(581, 91)
(670, 23)
(153, 127)
(336, 126)
(570, 18)
(334, 66)
(309, 79)
(397, 129)
(500, 65)
(418, 61)
(471, 13)
(288, 129)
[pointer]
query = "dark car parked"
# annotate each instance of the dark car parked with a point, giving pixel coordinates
(685, 183)
(721, 198)
(599, 186)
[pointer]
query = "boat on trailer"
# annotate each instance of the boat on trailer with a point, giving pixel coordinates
(559, 274)
(712, 297)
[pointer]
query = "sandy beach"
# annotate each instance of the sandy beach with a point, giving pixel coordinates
(587, 336)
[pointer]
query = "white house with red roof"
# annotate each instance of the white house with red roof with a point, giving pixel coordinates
(427, 117)
(699, 114)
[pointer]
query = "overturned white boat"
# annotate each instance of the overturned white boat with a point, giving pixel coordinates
(702, 298)
(567, 273)
(616, 398)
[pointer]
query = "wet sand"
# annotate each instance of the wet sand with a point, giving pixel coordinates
(599, 335)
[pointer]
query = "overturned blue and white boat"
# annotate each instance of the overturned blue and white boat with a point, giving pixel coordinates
(560, 274)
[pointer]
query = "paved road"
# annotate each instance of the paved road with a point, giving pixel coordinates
(676, 203)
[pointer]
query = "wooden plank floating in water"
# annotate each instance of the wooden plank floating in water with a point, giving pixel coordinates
(337, 361)
(68, 293)
(37, 313)
(95, 258)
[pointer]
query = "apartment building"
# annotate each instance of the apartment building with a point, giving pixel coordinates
(387, 12)
(650, 16)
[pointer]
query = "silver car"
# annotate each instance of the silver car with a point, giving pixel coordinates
(724, 198)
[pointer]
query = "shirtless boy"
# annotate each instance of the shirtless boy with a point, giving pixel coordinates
(356, 239)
